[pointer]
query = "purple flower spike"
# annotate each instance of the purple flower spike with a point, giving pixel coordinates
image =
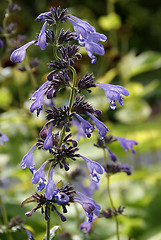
(102, 129)
(89, 205)
(94, 168)
(88, 37)
(42, 37)
(127, 143)
(41, 17)
(18, 55)
(27, 161)
(50, 187)
(113, 93)
(86, 126)
(39, 177)
(3, 138)
(48, 143)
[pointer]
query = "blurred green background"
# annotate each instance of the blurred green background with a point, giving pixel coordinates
(132, 59)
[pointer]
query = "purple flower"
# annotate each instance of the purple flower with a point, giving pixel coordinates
(41, 17)
(48, 143)
(86, 226)
(94, 168)
(18, 55)
(1, 44)
(102, 129)
(42, 37)
(113, 93)
(39, 177)
(127, 143)
(3, 138)
(61, 198)
(112, 155)
(89, 205)
(27, 161)
(86, 126)
(38, 98)
(88, 37)
(50, 187)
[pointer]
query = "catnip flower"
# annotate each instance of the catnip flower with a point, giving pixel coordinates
(86, 226)
(3, 138)
(88, 37)
(42, 37)
(102, 129)
(41, 17)
(48, 143)
(39, 177)
(127, 143)
(112, 155)
(89, 205)
(27, 161)
(50, 187)
(86, 126)
(18, 55)
(113, 93)
(38, 98)
(94, 168)
(80, 131)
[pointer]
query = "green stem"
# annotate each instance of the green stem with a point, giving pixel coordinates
(73, 87)
(48, 226)
(110, 197)
(113, 207)
(5, 219)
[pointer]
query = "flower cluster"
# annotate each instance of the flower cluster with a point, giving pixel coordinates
(56, 136)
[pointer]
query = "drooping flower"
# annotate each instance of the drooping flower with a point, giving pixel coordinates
(88, 37)
(27, 161)
(3, 138)
(127, 143)
(38, 98)
(50, 187)
(48, 143)
(42, 37)
(94, 168)
(113, 93)
(102, 129)
(89, 205)
(86, 126)
(18, 55)
(39, 177)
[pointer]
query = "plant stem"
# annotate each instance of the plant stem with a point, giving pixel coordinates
(5, 219)
(113, 207)
(48, 226)
(110, 197)
(73, 88)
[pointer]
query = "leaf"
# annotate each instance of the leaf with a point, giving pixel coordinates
(28, 200)
(53, 232)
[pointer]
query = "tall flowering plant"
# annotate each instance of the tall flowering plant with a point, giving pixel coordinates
(56, 135)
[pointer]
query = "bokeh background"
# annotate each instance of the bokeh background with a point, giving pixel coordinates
(132, 59)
